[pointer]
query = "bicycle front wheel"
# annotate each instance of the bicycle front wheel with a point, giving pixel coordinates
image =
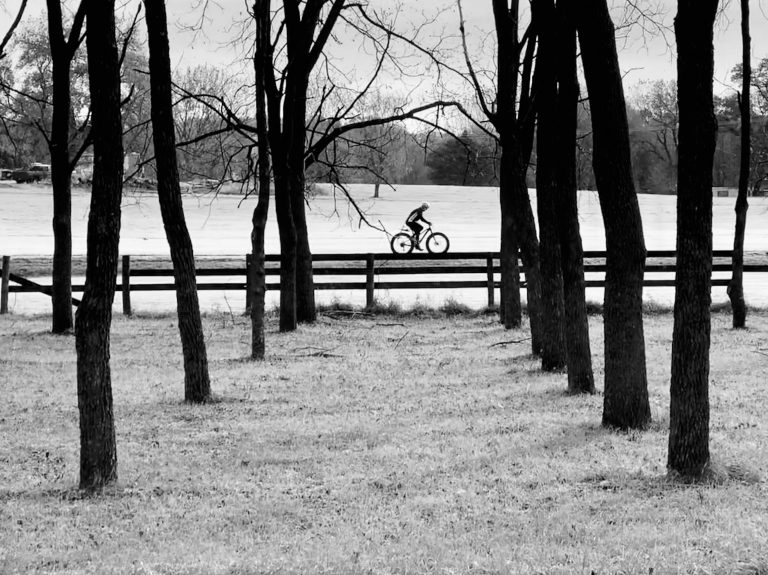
(401, 243)
(438, 243)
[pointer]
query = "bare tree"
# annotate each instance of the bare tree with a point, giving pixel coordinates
(580, 375)
(98, 451)
(53, 99)
(736, 286)
(297, 139)
(261, 60)
(566, 340)
(625, 403)
(306, 35)
(656, 104)
(553, 350)
(214, 138)
(688, 454)
(63, 49)
(304, 126)
(511, 116)
(197, 385)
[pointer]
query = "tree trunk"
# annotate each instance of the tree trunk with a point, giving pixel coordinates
(98, 452)
(285, 221)
(529, 252)
(580, 376)
(258, 274)
(625, 403)
(294, 118)
(736, 286)
(61, 180)
(518, 229)
(510, 305)
(287, 231)
(61, 172)
(305, 285)
(553, 352)
(257, 271)
(515, 128)
(689, 390)
(510, 308)
(197, 385)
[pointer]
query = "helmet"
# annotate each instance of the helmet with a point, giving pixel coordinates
(425, 206)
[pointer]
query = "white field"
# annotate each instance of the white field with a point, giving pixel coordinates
(221, 225)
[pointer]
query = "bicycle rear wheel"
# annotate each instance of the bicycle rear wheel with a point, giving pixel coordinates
(438, 243)
(401, 243)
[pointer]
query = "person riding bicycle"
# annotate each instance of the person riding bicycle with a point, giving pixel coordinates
(412, 221)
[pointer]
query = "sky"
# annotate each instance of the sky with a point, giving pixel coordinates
(642, 56)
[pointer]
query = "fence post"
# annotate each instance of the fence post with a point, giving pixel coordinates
(369, 280)
(6, 281)
(248, 286)
(489, 267)
(126, 285)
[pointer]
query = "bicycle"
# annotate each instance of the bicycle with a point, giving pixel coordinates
(404, 241)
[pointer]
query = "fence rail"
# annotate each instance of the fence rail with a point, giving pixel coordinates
(379, 271)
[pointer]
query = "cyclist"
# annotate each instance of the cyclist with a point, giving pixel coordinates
(413, 219)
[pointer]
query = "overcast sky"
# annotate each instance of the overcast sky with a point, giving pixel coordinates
(642, 58)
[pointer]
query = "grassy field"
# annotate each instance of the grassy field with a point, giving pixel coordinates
(371, 444)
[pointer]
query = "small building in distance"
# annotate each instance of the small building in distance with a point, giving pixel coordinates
(83, 172)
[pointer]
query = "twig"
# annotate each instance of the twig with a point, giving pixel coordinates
(231, 313)
(401, 339)
(321, 352)
(344, 313)
(390, 325)
(510, 342)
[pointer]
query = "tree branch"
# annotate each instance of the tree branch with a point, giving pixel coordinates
(12, 29)
(471, 69)
(323, 142)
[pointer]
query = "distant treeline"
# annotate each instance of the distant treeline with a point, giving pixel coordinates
(394, 153)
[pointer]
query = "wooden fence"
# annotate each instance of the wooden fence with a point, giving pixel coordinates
(372, 272)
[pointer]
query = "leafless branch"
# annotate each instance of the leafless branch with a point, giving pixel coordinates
(479, 93)
(12, 28)
(510, 342)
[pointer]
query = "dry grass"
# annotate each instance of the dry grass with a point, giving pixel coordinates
(377, 444)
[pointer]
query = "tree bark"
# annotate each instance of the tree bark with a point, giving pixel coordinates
(305, 285)
(580, 375)
(62, 53)
(507, 23)
(519, 229)
(98, 452)
(736, 286)
(689, 390)
(516, 139)
(262, 59)
(61, 182)
(287, 232)
(553, 351)
(285, 222)
(294, 119)
(525, 231)
(510, 307)
(197, 384)
(625, 403)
